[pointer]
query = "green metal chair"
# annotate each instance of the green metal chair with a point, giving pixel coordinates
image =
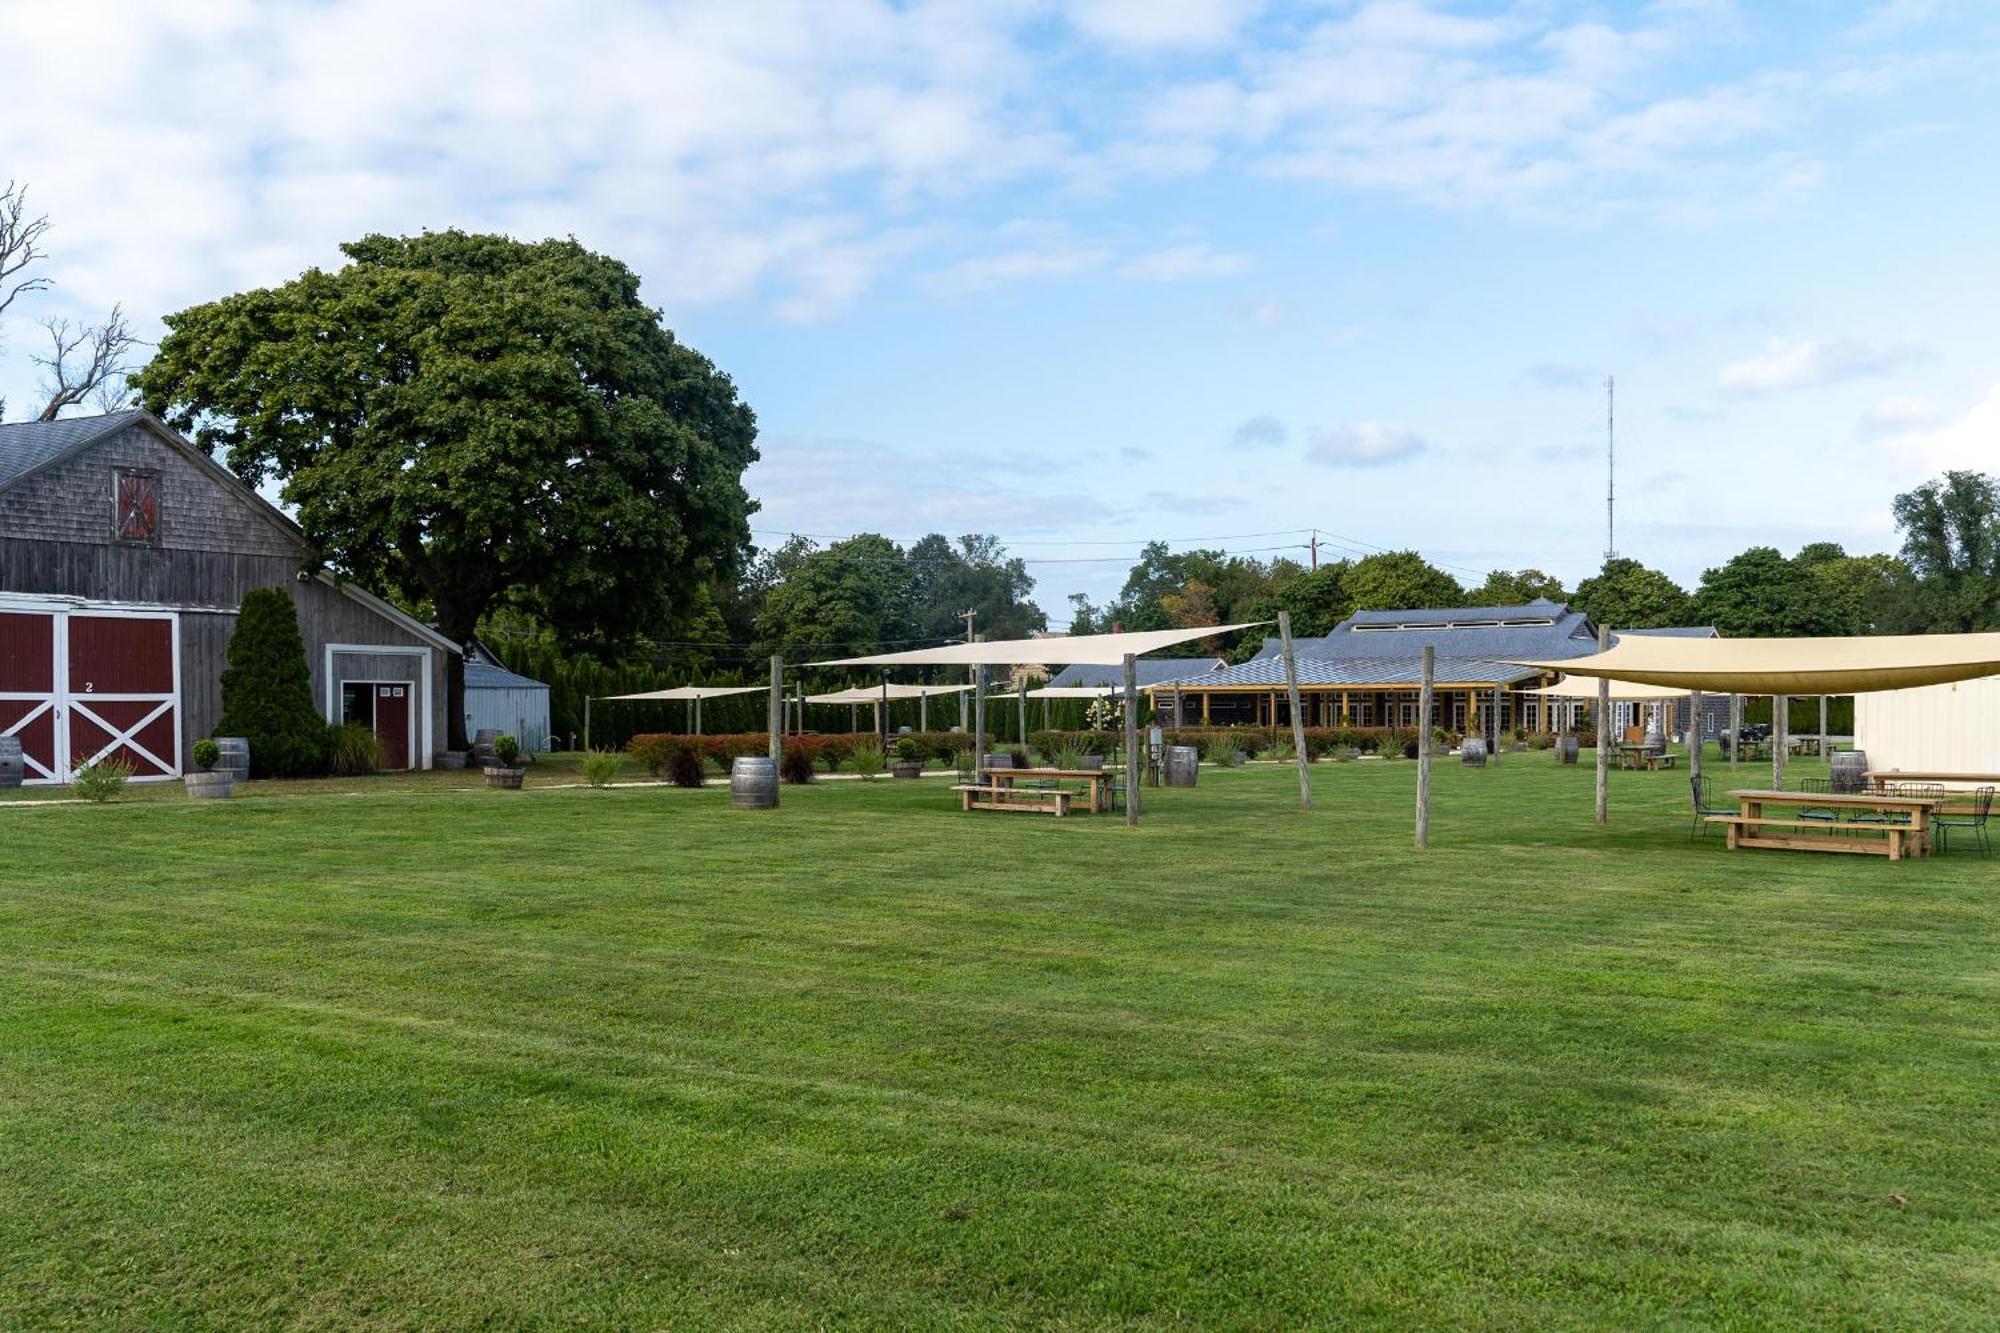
(1982, 806)
(1827, 813)
(1704, 805)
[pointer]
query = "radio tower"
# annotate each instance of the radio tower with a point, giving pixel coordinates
(1610, 472)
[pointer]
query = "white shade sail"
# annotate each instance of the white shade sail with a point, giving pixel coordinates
(1074, 692)
(682, 693)
(1057, 649)
(872, 694)
(1585, 688)
(1793, 666)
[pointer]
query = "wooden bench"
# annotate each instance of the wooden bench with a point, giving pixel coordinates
(1747, 832)
(1033, 800)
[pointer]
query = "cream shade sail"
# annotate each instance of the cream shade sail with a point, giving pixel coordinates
(1793, 666)
(1063, 649)
(872, 694)
(1585, 688)
(682, 693)
(1074, 692)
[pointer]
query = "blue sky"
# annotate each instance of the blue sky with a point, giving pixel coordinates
(1091, 272)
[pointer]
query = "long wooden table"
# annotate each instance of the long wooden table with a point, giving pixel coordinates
(1099, 780)
(1956, 802)
(1635, 755)
(1751, 827)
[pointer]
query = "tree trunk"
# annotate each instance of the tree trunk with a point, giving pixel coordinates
(459, 629)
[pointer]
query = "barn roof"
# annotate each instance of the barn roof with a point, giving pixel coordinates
(483, 671)
(1538, 629)
(1151, 670)
(1357, 673)
(30, 446)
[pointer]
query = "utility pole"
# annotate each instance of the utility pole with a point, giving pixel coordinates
(1610, 470)
(1315, 550)
(972, 674)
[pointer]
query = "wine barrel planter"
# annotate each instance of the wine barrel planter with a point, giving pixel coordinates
(1472, 753)
(1183, 765)
(214, 785)
(1567, 748)
(907, 768)
(1850, 770)
(505, 779)
(235, 760)
(753, 783)
(12, 769)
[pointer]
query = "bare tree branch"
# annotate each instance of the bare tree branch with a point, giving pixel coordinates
(83, 359)
(20, 244)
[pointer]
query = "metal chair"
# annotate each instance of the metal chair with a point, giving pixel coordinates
(1704, 806)
(1935, 790)
(1982, 806)
(1819, 786)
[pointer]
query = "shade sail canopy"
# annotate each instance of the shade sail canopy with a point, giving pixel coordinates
(681, 693)
(872, 694)
(1793, 666)
(1074, 692)
(1585, 688)
(1064, 649)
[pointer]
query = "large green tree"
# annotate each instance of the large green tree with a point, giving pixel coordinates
(974, 575)
(1517, 587)
(854, 596)
(1396, 579)
(1951, 541)
(1627, 595)
(472, 421)
(1762, 594)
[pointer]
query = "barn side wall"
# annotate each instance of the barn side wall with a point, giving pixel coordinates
(1939, 728)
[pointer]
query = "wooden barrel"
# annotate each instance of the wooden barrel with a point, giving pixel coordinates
(753, 783)
(214, 785)
(235, 760)
(1849, 769)
(12, 768)
(1472, 753)
(482, 747)
(1183, 765)
(1566, 749)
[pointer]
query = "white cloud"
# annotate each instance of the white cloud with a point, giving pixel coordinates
(1799, 365)
(1258, 432)
(1179, 262)
(1971, 442)
(1899, 416)
(1364, 444)
(1161, 23)
(984, 273)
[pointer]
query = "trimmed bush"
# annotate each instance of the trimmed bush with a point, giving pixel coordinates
(506, 750)
(267, 690)
(207, 754)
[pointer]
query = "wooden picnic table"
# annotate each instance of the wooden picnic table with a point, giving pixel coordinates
(1099, 780)
(1633, 754)
(1752, 827)
(1956, 802)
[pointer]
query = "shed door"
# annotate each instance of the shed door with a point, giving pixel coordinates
(392, 724)
(29, 709)
(123, 697)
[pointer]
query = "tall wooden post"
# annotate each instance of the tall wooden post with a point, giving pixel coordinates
(1735, 727)
(1424, 748)
(1021, 704)
(1298, 718)
(1493, 748)
(1694, 737)
(775, 715)
(1603, 733)
(924, 710)
(979, 723)
(1825, 750)
(586, 722)
(1131, 741)
(882, 716)
(1781, 708)
(697, 716)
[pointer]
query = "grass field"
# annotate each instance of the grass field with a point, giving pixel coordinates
(403, 1053)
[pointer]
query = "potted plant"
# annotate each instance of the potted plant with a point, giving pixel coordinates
(909, 759)
(206, 784)
(505, 771)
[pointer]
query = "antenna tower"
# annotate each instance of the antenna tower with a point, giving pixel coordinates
(1610, 471)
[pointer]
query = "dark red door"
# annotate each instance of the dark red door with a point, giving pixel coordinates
(392, 724)
(28, 688)
(122, 696)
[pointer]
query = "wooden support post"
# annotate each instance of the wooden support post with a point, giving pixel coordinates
(1781, 707)
(1298, 718)
(1493, 746)
(924, 711)
(1735, 727)
(586, 722)
(799, 706)
(1825, 750)
(1131, 741)
(979, 723)
(1021, 707)
(1694, 736)
(882, 716)
(1424, 749)
(775, 715)
(1603, 733)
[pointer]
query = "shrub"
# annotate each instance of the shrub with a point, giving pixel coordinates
(1281, 750)
(102, 780)
(797, 765)
(1067, 758)
(868, 760)
(834, 749)
(600, 767)
(207, 754)
(1021, 758)
(352, 750)
(685, 768)
(1222, 750)
(506, 749)
(651, 752)
(1410, 748)
(267, 689)
(909, 751)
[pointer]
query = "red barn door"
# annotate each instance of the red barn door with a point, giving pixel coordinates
(29, 709)
(123, 691)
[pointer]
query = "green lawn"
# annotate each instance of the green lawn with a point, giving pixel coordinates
(404, 1053)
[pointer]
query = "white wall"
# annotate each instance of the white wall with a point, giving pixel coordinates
(1941, 728)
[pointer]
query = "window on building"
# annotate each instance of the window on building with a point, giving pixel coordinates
(135, 512)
